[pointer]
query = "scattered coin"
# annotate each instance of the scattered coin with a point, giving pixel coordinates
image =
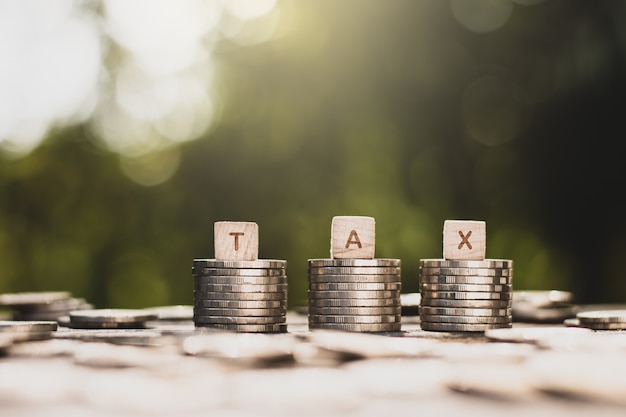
(28, 326)
(32, 298)
(603, 319)
(112, 315)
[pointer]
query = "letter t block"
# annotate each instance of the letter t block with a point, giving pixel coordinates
(236, 241)
(464, 239)
(353, 237)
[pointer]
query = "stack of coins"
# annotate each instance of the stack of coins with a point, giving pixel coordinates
(42, 305)
(465, 295)
(358, 295)
(243, 296)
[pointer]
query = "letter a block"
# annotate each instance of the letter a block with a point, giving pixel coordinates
(464, 239)
(353, 237)
(236, 241)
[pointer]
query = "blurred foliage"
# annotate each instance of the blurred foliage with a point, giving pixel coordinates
(360, 107)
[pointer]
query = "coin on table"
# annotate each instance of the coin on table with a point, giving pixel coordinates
(466, 279)
(240, 304)
(356, 270)
(439, 302)
(112, 315)
(380, 318)
(499, 272)
(459, 327)
(354, 311)
(251, 272)
(353, 294)
(240, 280)
(447, 311)
(354, 302)
(245, 288)
(603, 319)
(464, 295)
(535, 334)
(239, 296)
(543, 298)
(28, 326)
(207, 319)
(440, 318)
(354, 286)
(348, 262)
(467, 287)
(251, 312)
(470, 263)
(395, 278)
(358, 327)
(245, 328)
(32, 298)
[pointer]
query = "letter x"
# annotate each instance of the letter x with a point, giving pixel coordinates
(464, 239)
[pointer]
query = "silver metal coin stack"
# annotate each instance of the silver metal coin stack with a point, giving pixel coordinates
(42, 305)
(465, 295)
(242, 296)
(358, 295)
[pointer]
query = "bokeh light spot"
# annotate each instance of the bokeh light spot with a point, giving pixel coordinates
(482, 16)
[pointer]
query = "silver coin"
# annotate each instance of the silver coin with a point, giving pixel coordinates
(465, 279)
(240, 304)
(466, 287)
(349, 262)
(379, 318)
(460, 295)
(239, 296)
(250, 272)
(535, 334)
(489, 272)
(447, 311)
(100, 325)
(459, 327)
(239, 280)
(358, 327)
(256, 264)
(603, 326)
(354, 286)
(141, 337)
(354, 302)
(543, 298)
(461, 263)
(601, 316)
(356, 270)
(438, 302)
(355, 278)
(354, 311)
(31, 298)
(28, 326)
(353, 294)
(246, 328)
(239, 320)
(61, 305)
(246, 288)
(440, 318)
(240, 312)
(46, 316)
(111, 315)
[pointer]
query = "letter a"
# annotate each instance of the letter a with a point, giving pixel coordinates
(353, 239)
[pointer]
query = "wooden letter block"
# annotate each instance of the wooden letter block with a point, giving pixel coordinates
(236, 241)
(464, 239)
(353, 237)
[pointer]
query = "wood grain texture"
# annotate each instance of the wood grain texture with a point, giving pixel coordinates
(464, 239)
(353, 237)
(236, 241)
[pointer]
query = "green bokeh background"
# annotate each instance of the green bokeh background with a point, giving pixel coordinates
(390, 109)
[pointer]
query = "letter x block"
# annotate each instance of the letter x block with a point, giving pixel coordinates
(464, 239)
(236, 241)
(353, 237)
